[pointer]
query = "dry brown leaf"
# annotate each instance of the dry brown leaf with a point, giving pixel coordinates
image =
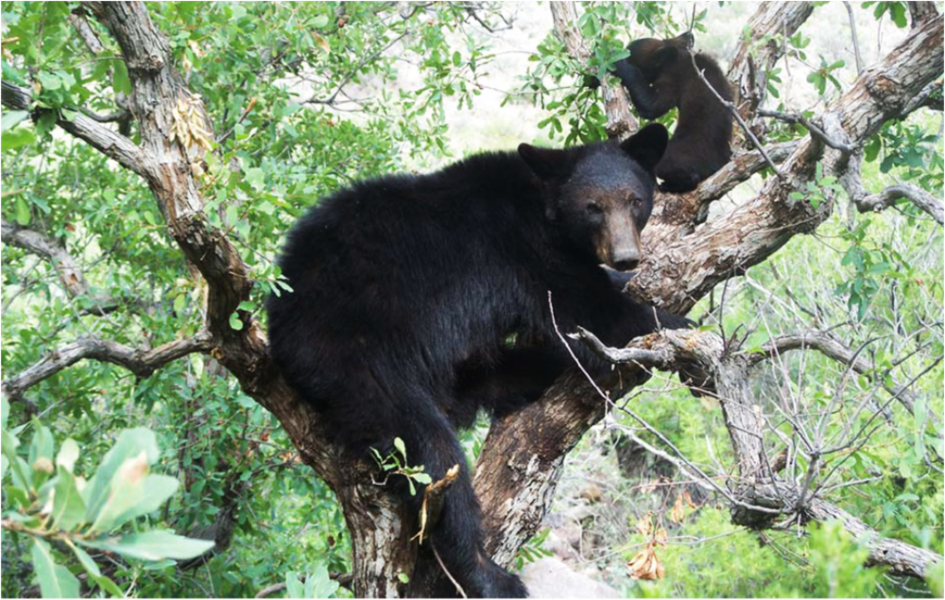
(321, 42)
(645, 565)
(645, 525)
(195, 47)
(659, 538)
(678, 514)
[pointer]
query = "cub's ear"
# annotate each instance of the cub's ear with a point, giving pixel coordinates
(647, 146)
(546, 163)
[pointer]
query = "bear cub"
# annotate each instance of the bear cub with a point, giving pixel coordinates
(658, 75)
(407, 290)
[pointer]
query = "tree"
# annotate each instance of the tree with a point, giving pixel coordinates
(199, 163)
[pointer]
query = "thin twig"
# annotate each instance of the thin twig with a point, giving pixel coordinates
(730, 107)
(459, 588)
(856, 41)
(815, 131)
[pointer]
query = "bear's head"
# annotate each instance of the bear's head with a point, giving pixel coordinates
(601, 195)
(653, 56)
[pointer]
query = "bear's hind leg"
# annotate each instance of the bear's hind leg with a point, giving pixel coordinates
(457, 537)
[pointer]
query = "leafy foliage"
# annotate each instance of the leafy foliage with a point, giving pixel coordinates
(51, 503)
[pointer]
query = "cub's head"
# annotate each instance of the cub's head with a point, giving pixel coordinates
(600, 196)
(653, 56)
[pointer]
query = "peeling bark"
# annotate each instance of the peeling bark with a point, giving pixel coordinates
(774, 22)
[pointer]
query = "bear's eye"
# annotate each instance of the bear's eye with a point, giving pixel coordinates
(635, 202)
(594, 208)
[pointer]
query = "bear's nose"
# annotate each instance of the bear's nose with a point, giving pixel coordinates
(626, 265)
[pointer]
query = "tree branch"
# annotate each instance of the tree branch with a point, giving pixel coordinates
(620, 121)
(866, 202)
(921, 11)
(69, 272)
(730, 107)
(110, 143)
(670, 350)
(73, 281)
(760, 50)
(142, 363)
(831, 348)
(886, 198)
(816, 132)
(856, 41)
(930, 97)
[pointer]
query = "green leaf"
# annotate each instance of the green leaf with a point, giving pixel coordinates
(4, 411)
(401, 447)
(132, 498)
(120, 81)
(68, 506)
(131, 443)
(21, 136)
(319, 584)
(422, 478)
(12, 118)
(255, 177)
(43, 444)
(153, 545)
(109, 586)
(68, 454)
(293, 586)
(235, 321)
(22, 211)
(55, 581)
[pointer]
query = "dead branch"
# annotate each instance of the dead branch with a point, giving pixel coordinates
(142, 363)
(832, 348)
(816, 132)
(856, 42)
(758, 486)
(433, 497)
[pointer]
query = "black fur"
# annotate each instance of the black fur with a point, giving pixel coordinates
(659, 76)
(408, 288)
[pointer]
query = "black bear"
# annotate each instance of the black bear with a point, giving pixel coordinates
(659, 76)
(407, 290)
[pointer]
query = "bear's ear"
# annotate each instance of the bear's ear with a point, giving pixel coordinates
(546, 163)
(647, 146)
